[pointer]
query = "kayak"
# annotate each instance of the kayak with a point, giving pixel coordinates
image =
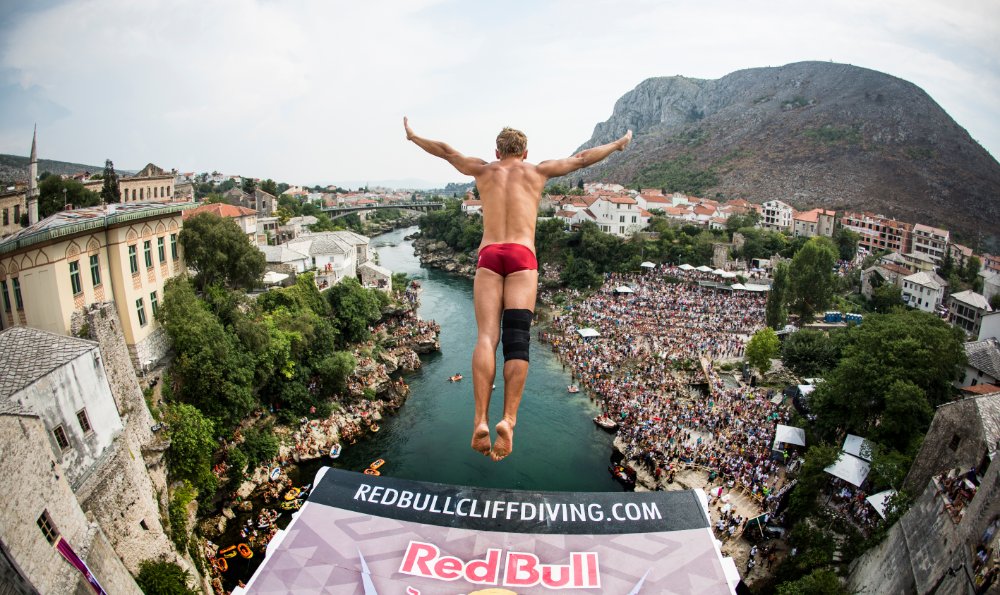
(377, 464)
(335, 451)
(245, 550)
(275, 473)
(292, 494)
(370, 471)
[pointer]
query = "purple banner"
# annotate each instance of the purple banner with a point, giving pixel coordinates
(67, 552)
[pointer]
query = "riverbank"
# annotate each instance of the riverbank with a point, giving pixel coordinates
(437, 254)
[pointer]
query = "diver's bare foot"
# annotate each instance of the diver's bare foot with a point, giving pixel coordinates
(481, 439)
(505, 440)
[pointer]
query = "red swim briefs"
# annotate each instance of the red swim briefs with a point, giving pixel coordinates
(504, 259)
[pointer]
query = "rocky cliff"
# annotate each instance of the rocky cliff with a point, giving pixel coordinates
(811, 134)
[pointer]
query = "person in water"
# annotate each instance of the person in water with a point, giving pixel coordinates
(507, 275)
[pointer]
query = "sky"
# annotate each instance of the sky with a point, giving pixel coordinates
(314, 91)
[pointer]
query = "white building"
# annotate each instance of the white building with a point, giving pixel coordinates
(983, 365)
(472, 206)
(777, 216)
(619, 215)
(923, 291)
(966, 310)
(930, 241)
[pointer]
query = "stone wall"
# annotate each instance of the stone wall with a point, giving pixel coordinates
(148, 352)
(104, 563)
(941, 451)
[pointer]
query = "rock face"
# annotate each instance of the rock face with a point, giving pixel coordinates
(437, 254)
(811, 134)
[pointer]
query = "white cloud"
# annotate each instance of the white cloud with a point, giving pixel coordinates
(310, 91)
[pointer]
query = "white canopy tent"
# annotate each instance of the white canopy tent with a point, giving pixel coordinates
(856, 445)
(728, 275)
(788, 435)
(273, 278)
(648, 265)
(587, 333)
(686, 267)
(849, 468)
(752, 287)
(704, 269)
(878, 501)
(624, 289)
(739, 286)
(719, 272)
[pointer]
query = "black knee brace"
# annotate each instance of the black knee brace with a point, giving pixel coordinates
(515, 334)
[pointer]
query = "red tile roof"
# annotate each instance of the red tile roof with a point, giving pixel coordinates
(221, 209)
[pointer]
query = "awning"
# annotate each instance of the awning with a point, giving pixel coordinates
(856, 445)
(273, 278)
(648, 265)
(686, 267)
(586, 333)
(878, 501)
(849, 468)
(718, 272)
(727, 275)
(623, 289)
(738, 286)
(704, 269)
(752, 287)
(789, 435)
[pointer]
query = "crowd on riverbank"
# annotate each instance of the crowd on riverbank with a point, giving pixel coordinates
(661, 333)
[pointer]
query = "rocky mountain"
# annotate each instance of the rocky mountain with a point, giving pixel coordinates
(811, 134)
(14, 168)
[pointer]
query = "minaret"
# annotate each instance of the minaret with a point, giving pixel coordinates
(33, 181)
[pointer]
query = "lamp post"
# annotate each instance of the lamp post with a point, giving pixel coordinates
(64, 199)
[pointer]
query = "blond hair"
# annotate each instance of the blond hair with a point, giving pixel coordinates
(511, 142)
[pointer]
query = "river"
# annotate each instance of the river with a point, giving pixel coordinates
(557, 447)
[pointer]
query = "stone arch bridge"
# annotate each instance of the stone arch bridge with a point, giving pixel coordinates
(342, 210)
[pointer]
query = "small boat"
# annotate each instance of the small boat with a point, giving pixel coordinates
(606, 423)
(292, 494)
(245, 550)
(292, 505)
(622, 475)
(572, 388)
(335, 451)
(220, 564)
(275, 474)
(370, 471)
(378, 463)
(228, 552)
(455, 378)
(374, 428)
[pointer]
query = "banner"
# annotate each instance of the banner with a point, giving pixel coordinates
(67, 552)
(383, 536)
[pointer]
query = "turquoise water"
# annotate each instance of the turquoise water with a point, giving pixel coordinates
(557, 447)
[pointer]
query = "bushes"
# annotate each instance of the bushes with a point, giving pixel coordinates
(163, 578)
(183, 496)
(260, 445)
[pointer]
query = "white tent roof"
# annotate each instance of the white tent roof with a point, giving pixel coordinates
(727, 275)
(805, 389)
(789, 435)
(858, 446)
(849, 468)
(704, 269)
(878, 501)
(648, 265)
(738, 286)
(685, 267)
(273, 278)
(624, 289)
(752, 287)
(718, 271)
(588, 332)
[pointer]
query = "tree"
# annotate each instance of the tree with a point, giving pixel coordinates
(763, 346)
(811, 275)
(219, 251)
(579, 273)
(249, 185)
(818, 582)
(269, 186)
(260, 445)
(192, 440)
(885, 297)
(579, 184)
(847, 242)
(110, 192)
(971, 269)
(52, 198)
(354, 308)
(809, 352)
(158, 577)
(776, 312)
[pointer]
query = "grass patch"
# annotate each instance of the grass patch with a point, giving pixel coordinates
(678, 175)
(830, 135)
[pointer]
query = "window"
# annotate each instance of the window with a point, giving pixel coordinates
(140, 309)
(61, 438)
(621, 219)
(147, 252)
(17, 213)
(153, 303)
(74, 277)
(48, 527)
(161, 250)
(6, 298)
(141, 193)
(6, 217)
(81, 416)
(17, 294)
(955, 441)
(173, 246)
(95, 269)
(133, 260)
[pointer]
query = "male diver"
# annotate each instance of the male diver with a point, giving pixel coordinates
(507, 275)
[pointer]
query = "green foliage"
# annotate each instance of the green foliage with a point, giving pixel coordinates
(183, 495)
(797, 101)
(762, 347)
(919, 153)
(260, 445)
(811, 277)
(818, 582)
(400, 281)
(738, 222)
(678, 175)
(333, 371)
(894, 369)
(776, 311)
(847, 242)
(238, 462)
(809, 352)
(355, 308)
(51, 198)
(192, 440)
(885, 297)
(110, 191)
(811, 479)
(450, 225)
(761, 243)
(830, 135)
(269, 186)
(580, 273)
(163, 578)
(219, 251)
(249, 185)
(971, 269)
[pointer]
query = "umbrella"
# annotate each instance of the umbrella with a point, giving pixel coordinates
(648, 265)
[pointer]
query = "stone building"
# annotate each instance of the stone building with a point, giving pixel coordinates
(776, 216)
(816, 222)
(878, 232)
(75, 435)
(13, 203)
(121, 252)
(931, 241)
(151, 184)
(948, 540)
